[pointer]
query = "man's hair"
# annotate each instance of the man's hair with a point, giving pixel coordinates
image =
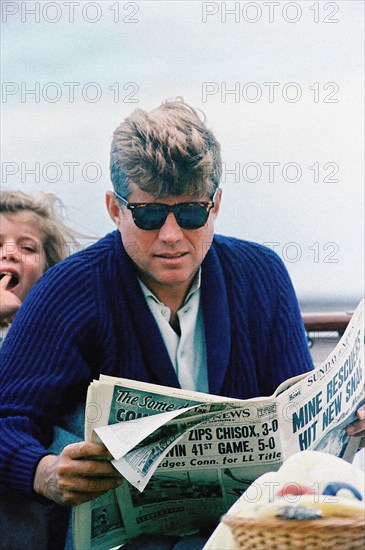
(166, 152)
(49, 210)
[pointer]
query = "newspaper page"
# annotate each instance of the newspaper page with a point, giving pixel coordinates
(315, 411)
(203, 457)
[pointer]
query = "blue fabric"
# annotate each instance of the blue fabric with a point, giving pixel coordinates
(70, 430)
(88, 315)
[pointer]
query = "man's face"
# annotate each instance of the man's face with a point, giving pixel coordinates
(169, 257)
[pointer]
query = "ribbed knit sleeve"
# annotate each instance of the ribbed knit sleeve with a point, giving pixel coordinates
(40, 360)
(268, 343)
(288, 351)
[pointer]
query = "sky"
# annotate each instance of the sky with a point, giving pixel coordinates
(280, 84)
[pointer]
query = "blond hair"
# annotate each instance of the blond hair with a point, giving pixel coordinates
(49, 210)
(168, 151)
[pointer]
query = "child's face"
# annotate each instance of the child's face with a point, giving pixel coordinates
(21, 251)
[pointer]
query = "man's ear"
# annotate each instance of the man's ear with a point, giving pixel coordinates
(217, 201)
(113, 207)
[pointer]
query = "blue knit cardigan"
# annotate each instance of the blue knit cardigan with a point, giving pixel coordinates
(87, 315)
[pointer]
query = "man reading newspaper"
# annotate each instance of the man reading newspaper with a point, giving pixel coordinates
(161, 300)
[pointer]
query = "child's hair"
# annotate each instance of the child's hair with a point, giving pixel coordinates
(49, 210)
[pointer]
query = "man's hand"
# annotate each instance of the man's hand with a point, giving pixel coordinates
(80, 473)
(358, 427)
(9, 303)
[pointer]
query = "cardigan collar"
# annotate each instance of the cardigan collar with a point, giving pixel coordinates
(216, 321)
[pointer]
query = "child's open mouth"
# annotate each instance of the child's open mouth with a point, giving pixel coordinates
(13, 282)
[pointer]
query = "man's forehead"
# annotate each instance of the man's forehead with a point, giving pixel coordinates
(138, 195)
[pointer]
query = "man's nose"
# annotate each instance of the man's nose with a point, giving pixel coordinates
(170, 231)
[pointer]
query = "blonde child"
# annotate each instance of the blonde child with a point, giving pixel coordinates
(33, 237)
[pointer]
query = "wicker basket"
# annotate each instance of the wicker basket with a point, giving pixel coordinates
(335, 533)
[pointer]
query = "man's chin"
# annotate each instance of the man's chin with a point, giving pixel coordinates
(174, 279)
(173, 282)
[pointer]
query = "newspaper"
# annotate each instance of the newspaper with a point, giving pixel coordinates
(187, 456)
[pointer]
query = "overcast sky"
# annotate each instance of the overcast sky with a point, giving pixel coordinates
(281, 84)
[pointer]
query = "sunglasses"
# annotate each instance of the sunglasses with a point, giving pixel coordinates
(152, 215)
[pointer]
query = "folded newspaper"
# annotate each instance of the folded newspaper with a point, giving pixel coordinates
(187, 456)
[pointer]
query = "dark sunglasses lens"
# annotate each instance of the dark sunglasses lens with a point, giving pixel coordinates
(151, 216)
(191, 216)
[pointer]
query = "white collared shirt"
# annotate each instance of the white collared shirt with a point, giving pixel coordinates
(3, 333)
(187, 351)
